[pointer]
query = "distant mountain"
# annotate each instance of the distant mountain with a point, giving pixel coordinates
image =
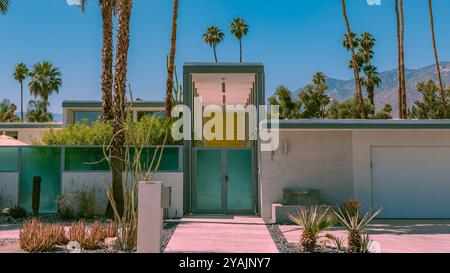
(387, 91)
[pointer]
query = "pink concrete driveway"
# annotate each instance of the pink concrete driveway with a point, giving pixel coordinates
(221, 235)
(398, 236)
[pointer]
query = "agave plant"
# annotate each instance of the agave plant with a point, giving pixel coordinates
(355, 226)
(313, 220)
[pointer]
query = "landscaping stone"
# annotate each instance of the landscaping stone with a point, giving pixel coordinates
(112, 243)
(73, 247)
(6, 211)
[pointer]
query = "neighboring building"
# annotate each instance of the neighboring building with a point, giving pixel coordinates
(27, 132)
(90, 111)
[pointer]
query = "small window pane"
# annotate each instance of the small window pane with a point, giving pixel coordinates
(9, 159)
(85, 159)
(86, 117)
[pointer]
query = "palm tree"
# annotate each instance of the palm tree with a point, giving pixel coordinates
(436, 58)
(239, 29)
(120, 81)
(213, 36)
(4, 6)
(21, 72)
(355, 62)
(45, 79)
(37, 113)
(402, 47)
(171, 64)
(7, 110)
(365, 50)
(371, 81)
(399, 61)
(108, 9)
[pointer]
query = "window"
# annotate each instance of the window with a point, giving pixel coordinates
(142, 114)
(88, 117)
(13, 134)
(9, 159)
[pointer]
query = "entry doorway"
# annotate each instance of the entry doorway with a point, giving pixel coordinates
(224, 181)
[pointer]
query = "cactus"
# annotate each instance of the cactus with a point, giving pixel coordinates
(36, 195)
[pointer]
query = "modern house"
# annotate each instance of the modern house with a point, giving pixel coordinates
(401, 166)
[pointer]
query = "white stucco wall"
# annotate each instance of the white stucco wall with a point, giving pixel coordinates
(74, 182)
(9, 189)
(364, 140)
(319, 160)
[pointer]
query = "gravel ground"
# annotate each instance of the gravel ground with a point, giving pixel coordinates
(11, 245)
(284, 246)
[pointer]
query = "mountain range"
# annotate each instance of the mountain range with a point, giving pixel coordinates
(387, 91)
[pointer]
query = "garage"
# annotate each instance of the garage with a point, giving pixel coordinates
(411, 182)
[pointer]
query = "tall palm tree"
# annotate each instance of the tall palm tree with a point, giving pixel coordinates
(108, 9)
(354, 62)
(37, 113)
(402, 37)
(239, 29)
(213, 36)
(21, 72)
(171, 64)
(120, 81)
(399, 60)
(4, 6)
(436, 58)
(365, 49)
(371, 81)
(45, 79)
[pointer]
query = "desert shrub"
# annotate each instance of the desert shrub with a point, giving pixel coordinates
(111, 230)
(64, 211)
(87, 238)
(351, 206)
(358, 241)
(312, 220)
(38, 237)
(18, 212)
(86, 201)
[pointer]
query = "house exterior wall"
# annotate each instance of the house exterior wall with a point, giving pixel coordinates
(319, 160)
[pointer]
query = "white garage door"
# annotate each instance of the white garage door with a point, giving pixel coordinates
(411, 182)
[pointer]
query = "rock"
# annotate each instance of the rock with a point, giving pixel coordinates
(6, 212)
(375, 247)
(112, 243)
(74, 247)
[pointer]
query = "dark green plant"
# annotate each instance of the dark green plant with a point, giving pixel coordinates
(313, 221)
(337, 241)
(86, 200)
(18, 212)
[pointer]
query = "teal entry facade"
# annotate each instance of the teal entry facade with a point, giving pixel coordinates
(221, 177)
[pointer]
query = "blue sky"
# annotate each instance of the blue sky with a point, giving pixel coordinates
(293, 38)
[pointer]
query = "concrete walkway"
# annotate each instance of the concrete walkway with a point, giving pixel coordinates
(396, 236)
(221, 235)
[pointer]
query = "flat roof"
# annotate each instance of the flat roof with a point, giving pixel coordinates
(361, 124)
(98, 104)
(225, 67)
(30, 125)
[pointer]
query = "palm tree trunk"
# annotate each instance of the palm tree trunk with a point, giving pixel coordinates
(170, 66)
(240, 50)
(404, 99)
(399, 60)
(355, 63)
(215, 53)
(436, 58)
(120, 80)
(107, 60)
(21, 101)
(371, 95)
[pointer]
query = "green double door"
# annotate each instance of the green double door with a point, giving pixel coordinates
(224, 181)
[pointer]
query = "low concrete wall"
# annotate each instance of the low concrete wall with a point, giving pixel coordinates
(319, 160)
(74, 182)
(9, 189)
